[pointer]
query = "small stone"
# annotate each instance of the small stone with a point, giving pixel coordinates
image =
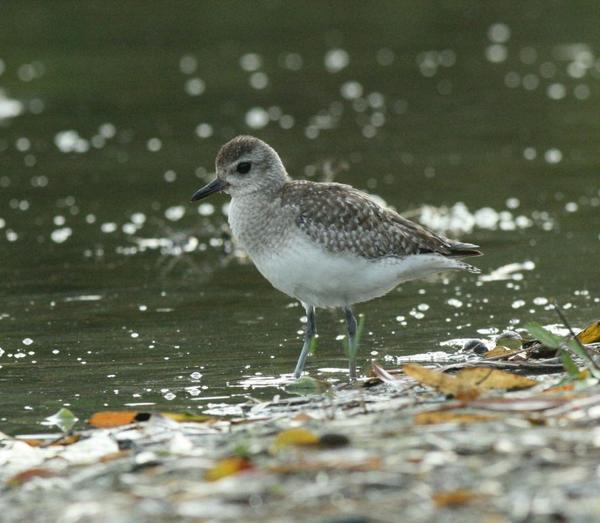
(475, 346)
(510, 339)
(333, 441)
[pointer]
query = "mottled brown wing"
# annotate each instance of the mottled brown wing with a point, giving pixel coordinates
(343, 219)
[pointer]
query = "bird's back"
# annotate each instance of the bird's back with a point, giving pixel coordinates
(343, 219)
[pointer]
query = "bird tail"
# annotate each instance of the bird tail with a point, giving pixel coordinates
(459, 249)
(468, 267)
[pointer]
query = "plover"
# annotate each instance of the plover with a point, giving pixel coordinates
(324, 244)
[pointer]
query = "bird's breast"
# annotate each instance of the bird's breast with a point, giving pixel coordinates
(258, 226)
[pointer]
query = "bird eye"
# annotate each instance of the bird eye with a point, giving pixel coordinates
(243, 167)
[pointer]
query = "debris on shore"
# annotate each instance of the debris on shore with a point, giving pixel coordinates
(507, 437)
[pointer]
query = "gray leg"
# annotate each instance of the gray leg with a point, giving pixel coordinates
(309, 334)
(352, 348)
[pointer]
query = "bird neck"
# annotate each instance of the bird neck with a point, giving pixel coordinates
(256, 220)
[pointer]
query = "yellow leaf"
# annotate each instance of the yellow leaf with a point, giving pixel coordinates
(499, 351)
(454, 498)
(441, 416)
(584, 374)
(227, 467)
(297, 437)
(486, 379)
(591, 334)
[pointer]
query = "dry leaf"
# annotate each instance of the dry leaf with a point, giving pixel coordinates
(468, 383)
(441, 416)
(500, 351)
(591, 334)
(65, 440)
(454, 498)
(296, 437)
(567, 387)
(228, 467)
(34, 442)
(26, 475)
(112, 456)
(486, 379)
(443, 382)
(109, 419)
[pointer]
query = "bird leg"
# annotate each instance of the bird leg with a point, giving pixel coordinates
(309, 334)
(352, 342)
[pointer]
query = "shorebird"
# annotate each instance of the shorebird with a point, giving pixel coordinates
(325, 244)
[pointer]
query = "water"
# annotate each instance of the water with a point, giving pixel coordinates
(118, 293)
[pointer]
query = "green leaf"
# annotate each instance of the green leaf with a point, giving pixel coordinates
(569, 365)
(359, 331)
(545, 336)
(313, 346)
(64, 419)
(556, 342)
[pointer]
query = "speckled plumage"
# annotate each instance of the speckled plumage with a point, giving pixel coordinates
(325, 244)
(341, 218)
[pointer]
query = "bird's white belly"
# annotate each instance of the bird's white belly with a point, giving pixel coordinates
(314, 276)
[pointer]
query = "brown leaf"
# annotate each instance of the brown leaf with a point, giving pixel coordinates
(65, 440)
(443, 382)
(228, 467)
(26, 475)
(468, 383)
(591, 334)
(486, 379)
(567, 387)
(442, 416)
(112, 456)
(109, 419)
(454, 498)
(500, 352)
(34, 442)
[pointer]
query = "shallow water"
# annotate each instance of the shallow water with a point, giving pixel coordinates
(116, 292)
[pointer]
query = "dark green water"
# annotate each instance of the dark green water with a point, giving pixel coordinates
(115, 290)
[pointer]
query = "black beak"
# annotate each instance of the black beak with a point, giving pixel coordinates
(215, 186)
